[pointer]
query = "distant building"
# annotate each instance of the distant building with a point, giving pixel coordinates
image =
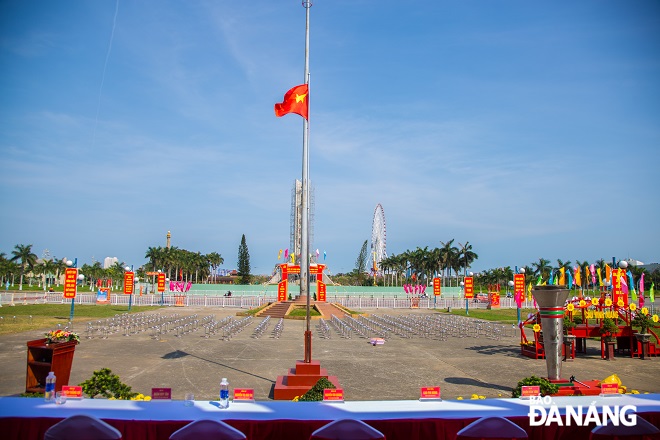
(109, 262)
(632, 262)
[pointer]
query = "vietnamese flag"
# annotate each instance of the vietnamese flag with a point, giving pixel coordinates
(296, 101)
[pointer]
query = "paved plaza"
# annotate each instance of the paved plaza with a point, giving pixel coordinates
(458, 362)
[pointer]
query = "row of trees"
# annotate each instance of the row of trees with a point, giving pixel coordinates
(451, 262)
(178, 264)
(421, 265)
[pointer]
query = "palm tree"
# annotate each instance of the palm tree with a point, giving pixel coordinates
(214, 260)
(466, 257)
(27, 258)
(448, 254)
(542, 268)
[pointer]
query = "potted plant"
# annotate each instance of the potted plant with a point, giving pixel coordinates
(569, 338)
(644, 322)
(608, 330)
(568, 325)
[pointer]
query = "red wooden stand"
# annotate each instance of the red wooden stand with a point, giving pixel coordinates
(300, 380)
(42, 358)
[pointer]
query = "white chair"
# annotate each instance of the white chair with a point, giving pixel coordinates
(642, 430)
(347, 429)
(492, 428)
(206, 430)
(82, 427)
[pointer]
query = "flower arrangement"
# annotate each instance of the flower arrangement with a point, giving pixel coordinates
(55, 336)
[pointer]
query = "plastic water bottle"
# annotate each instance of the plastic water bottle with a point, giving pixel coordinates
(224, 393)
(49, 395)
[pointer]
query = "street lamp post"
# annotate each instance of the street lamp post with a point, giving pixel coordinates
(521, 271)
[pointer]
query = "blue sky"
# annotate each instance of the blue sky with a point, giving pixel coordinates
(528, 129)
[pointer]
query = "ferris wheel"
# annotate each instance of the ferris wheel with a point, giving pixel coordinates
(378, 238)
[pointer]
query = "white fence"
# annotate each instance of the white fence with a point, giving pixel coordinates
(353, 302)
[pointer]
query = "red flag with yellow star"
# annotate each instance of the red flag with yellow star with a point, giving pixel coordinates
(296, 101)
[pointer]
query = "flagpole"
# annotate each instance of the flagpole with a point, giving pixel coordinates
(304, 264)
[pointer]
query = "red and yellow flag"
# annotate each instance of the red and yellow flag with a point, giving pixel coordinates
(296, 101)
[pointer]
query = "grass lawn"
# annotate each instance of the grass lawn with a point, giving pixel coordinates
(505, 316)
(20, 318)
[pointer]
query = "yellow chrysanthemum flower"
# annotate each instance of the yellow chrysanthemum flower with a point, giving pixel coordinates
(147, 398)
(536, 328)
(583, 303)
(474, 397)
(608, 302)
(620, 303)
(645, 311)
(594, 301)
(570, 307)
(459, 398)
(655, 318)
(632, 306)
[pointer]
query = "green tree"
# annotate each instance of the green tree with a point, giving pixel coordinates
(27, 258)
(243, 262)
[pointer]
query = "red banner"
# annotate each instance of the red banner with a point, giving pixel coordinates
(70, 280)
(161, 282)
(128, 282)
(282, 286)
(320, 286)
(469, 287)
(436, 286)
(617, 290)
(494, 300)
(519, 283)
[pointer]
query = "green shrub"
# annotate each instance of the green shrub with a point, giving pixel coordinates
(316, 393)
(107, 385)
(547, 387)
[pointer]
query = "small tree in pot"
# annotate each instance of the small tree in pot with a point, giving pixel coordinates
(608, 329)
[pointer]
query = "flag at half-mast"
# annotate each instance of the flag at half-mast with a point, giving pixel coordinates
(296, 101)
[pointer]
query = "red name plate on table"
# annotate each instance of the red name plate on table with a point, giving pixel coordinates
(243, 395)
(609, 388)
(72, 392)
(429, 393)
(330, 395)
(161, 394)
(530, 391)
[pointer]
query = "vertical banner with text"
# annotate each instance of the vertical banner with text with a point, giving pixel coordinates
(617, 288)
(128, 283)
(70, 280)
(436, 286)
(161, 282)
(320, 285)
(282, 285)
(519, 283)
(469, 287)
